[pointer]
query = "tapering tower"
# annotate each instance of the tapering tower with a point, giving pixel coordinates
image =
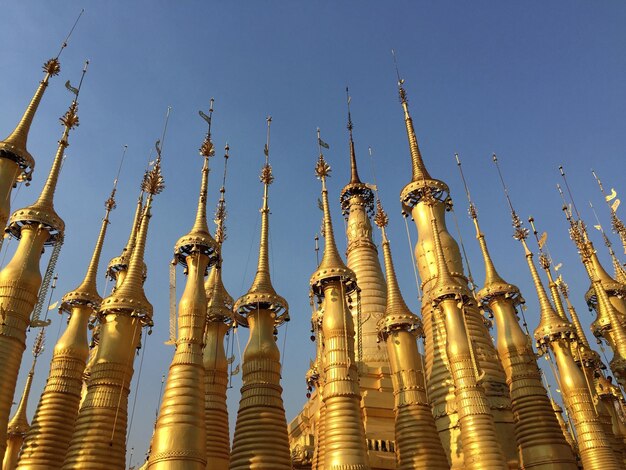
(439, 381)
(34, 226)
(53, 424)
(99, 439)
(16, 162)
(219, 322)
(417, 441)
(332, 283)
(261, 440)
(554, 334)
(18, 426)
(479, 442)
(586, 358)
(609, 323)
(540, 440)
(357, 205)
(368, 307)
(179, 439)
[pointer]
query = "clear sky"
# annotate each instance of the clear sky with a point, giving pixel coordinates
(539, 83)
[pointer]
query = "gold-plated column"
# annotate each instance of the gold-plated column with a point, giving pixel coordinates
(261, 440)
(35, 226)
(357, 204)
(608, 323)
(553, 333)
(344, 434)
(479, 441)
(53, 424)
(417, 441)
(439, 380)
(179, 440)
(99, 439)
(16, 163)
(540, 440)
(219, 321)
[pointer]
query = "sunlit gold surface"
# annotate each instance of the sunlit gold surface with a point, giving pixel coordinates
(261, 440)
(18, 426)
(439, 373)
(179, 440)
(20, 279)
(540, 440)
(417, 441)
(554, 333)
(53, 424)
(16, 163)
(344, 433)
(99, 439)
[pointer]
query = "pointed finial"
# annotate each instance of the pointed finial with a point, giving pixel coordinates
(262, 294)
(130, 297)
(418, 168)
(199, 239)
(354, 174)
(14, 146)
(620, 272)
(551, 326)
(220, 211)
(332, 266)
(397, 314)
(42, 211)
(494, 284)
(445, 285)
(87, 292)
(355, 188)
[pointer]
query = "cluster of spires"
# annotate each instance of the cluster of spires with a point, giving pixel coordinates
(465, 403)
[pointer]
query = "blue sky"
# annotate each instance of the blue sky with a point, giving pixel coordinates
(541, 84)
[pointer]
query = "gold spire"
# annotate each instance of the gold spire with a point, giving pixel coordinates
(130, 295)
(618, 268)
(199, 237)
(580, 332)
(354, 174)
(87, 291)
(42, 211)
(332, 266)
(396, 306)
(494, 284)
(417, 164)
(261, 291)
(355, 187)
(14, 146)
(220, 302)
(19, 423)
(120, 263)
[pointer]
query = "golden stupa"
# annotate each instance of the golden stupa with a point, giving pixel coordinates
(375, 401)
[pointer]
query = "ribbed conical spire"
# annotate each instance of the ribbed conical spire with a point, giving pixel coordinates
(42, 211)
(262, 291)
(199, 237)
(220, 302)
(617, 224)
(580, 332)
(130, 294)
(332, 266)
(14, 145)
(120, 263)
(417, 164)
(395, 302)
(87, 291)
